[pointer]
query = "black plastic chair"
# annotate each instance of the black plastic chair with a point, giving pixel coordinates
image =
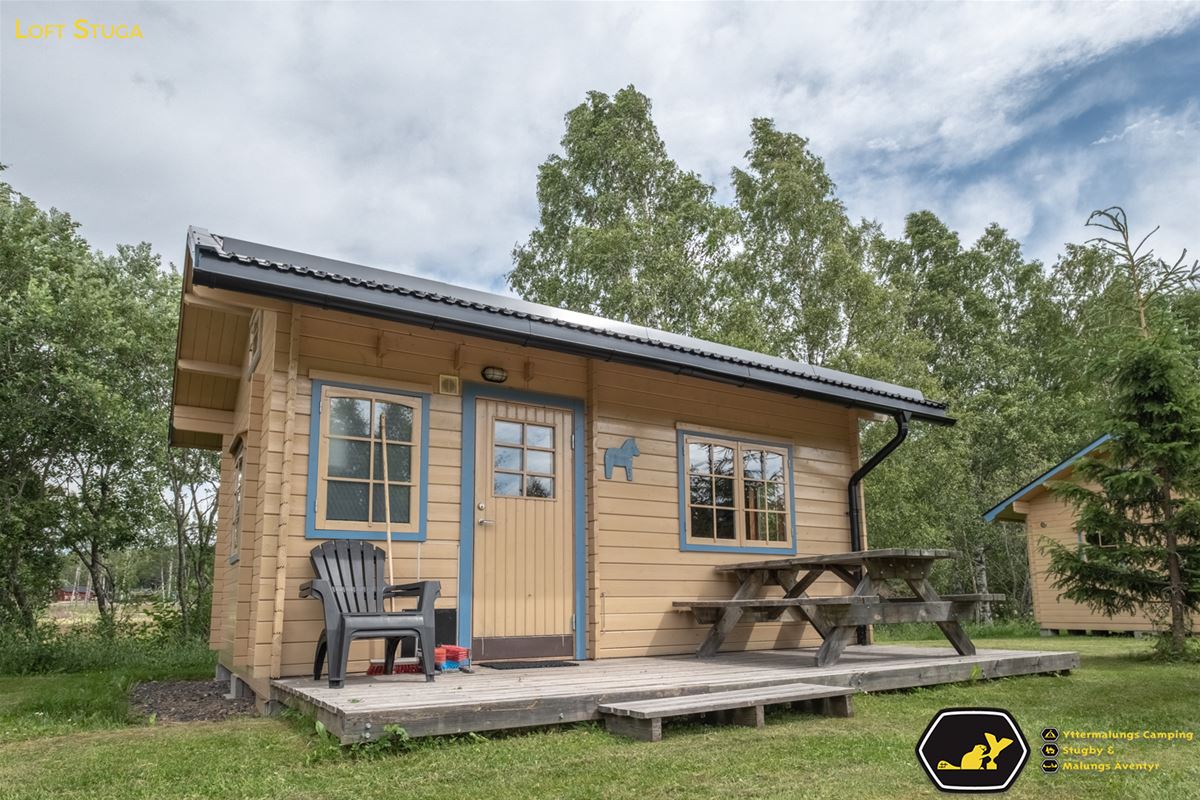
(351, 586)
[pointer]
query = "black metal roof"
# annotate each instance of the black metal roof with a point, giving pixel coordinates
(234, 264)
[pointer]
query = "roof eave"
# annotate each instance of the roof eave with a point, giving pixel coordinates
(219, 272)
(1004, 510)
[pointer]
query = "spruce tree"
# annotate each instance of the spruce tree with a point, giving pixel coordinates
(1138, 498)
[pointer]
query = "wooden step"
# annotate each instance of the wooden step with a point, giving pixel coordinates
(642, 719)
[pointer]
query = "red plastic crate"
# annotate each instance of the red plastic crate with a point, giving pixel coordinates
(455, 653)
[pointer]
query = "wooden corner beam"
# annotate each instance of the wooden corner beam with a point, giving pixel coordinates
(202, 420)
(213, 368)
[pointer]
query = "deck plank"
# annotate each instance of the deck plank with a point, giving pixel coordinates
(501, 699)
(721, 701)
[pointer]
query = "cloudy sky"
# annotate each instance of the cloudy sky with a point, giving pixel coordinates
(408, 136)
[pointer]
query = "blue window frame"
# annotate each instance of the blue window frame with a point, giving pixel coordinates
(736, 495)
(346, 462)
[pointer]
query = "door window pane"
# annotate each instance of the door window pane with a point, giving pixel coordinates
(346, 501)
(523, 459)
(506, 484)
(507, 458)
(539, 436)
(540, 461)
(509, 432)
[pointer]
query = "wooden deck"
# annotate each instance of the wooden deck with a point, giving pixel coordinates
(500, 699)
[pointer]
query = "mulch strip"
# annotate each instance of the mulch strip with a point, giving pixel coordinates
(187, 701)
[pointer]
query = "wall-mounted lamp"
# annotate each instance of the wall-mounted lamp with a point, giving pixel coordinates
(495, 374)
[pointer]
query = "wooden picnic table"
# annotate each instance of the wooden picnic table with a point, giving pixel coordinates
(872, 600)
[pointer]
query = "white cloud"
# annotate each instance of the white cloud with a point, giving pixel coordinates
(409, 136)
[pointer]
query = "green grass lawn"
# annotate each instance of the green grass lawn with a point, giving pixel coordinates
(81, 746)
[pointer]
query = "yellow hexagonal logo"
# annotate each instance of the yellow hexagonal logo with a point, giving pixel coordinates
(973, 750)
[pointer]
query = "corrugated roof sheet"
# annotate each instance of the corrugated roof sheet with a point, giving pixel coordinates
(235, 264)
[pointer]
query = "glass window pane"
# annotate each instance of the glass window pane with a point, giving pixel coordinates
(701, 491)
(509, 432)
(401, 500)
(399, 420)
(779, 528)
(702, 523)
(699, 458)
(776, 496)
(723, 491)
(399, 465)
(506, 484)
(349, 416)
(507, 458)
(539, 461)
(726, 524)
(752, 464)
(344, 500)
(773, 466)
(722, 460)
(756, 526)
(756, 494)
(539, 436)
(349, 458)
(537, 486)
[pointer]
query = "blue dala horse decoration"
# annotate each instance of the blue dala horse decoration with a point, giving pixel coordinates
(621, 457)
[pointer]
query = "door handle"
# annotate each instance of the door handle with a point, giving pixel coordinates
(487, 522)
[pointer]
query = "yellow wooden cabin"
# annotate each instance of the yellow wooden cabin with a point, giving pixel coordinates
(1048, 517)
(565, 477)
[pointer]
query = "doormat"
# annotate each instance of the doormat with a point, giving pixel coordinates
(528, 664)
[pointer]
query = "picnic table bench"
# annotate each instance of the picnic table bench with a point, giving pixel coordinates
(872, 600)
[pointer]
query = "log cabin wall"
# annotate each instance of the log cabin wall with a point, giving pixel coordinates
(361, 351)
(639, 567)
(1050, 518)
(635, 566)
(236, 582)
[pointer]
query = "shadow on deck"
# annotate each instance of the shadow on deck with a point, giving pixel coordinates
(502, 699)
